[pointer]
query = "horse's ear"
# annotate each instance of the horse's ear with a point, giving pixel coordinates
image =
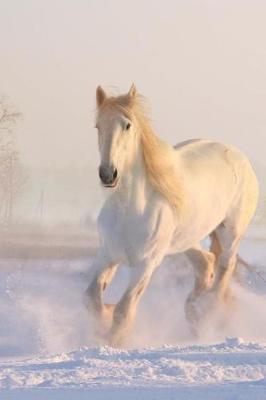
(100, 96)
(132, 91)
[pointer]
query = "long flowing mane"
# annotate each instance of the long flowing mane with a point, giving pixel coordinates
(158, 155)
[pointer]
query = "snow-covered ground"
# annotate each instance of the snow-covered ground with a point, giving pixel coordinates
(48, 349)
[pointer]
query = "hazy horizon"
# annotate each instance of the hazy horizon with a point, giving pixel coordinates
(202, 66)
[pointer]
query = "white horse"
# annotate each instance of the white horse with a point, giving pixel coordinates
(164, 200)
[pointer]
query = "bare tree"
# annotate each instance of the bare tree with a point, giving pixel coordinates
(12, 178)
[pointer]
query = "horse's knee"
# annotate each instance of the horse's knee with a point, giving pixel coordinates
(99, 282)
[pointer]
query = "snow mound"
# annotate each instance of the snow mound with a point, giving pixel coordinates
(232, 361)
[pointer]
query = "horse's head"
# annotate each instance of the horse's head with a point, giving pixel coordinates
(116, 135)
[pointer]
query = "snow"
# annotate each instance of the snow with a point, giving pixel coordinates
(225, 369)
(48, 349)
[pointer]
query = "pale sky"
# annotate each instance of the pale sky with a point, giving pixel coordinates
(201, 64)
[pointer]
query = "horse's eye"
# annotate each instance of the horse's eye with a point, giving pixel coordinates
(128, 125)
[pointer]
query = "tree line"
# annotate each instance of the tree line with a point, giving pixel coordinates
(12, 177)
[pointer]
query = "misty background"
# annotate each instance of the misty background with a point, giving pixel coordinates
(201, 64)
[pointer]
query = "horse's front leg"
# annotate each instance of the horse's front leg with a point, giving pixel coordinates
(125, 310)
(103, 271)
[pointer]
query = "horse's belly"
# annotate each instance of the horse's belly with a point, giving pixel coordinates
(190, 235)
(202, 218)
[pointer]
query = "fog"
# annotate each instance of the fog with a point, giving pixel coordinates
(201, 64)
(202, 67)
(39, 317)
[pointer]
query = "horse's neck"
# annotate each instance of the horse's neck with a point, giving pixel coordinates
(135, 189)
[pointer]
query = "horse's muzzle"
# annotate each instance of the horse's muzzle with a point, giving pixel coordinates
(108, 176)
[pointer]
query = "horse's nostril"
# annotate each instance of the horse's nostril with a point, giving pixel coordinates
(108, 175)
(101, 173)
(115, 174)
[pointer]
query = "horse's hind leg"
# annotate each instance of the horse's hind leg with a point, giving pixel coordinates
(215, 246)
(203, 263)
(229, 236)
(232, 229)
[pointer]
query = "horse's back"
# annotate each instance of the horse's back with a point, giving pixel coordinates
(212, 157)
(204, 147)
(185, 143)
(220, 176)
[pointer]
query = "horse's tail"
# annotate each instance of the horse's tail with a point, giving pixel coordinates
(245, 263)
(249, 267)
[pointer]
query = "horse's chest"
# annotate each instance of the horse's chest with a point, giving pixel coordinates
(127, 234)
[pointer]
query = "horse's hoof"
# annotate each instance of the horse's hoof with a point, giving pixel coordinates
(116, 342)
(107, 315)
